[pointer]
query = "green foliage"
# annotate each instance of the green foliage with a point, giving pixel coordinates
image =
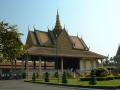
(12, 45)
(69, 75)
(93, 73)
(33, 77)
(10, 39)
(47, 77)
(99, 78)
(93, 78)
(117, 77)
(101, 72)
(37, 74)
(64, 78)
(23, 75)
(56, 75)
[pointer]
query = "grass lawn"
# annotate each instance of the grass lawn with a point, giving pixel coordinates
(85, 83)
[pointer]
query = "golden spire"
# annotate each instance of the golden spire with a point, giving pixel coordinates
(58, 27)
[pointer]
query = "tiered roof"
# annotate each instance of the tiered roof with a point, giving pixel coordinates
(46, 43)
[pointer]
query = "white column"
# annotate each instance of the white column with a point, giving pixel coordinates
(101, 63)
(92, 62)
(62, 69)
(84, 62)
(40, 67)
(79, 66)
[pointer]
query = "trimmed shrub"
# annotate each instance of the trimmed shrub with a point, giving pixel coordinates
(46, 77)
(93, 78)
(69, 75)
(97, 78)
(23, 75)
(37, 74)
(56, 75)
(117, 77)
(33, 77)
(101, 72)
(64, 78)
(85, 78)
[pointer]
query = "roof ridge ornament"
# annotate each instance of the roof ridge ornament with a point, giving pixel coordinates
(28, 28)
(64, 26)
(57, 27)
(34, 27)
(57, 12)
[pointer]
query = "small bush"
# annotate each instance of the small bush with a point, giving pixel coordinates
(23, 75)
(33, 77)
(69, 75)
(85, 79)
(117, 77)
(93, 78)
(56, 75)
(64, 78)
(37, 74)
(47, 77)
(101, 72)
(97, 78)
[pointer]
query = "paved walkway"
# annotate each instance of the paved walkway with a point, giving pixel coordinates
(20, 85)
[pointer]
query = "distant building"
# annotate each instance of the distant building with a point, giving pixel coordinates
(65, 51)
(5, 67)
(117, 58)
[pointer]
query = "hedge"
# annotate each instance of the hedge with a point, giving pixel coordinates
(117, 77)
(97, 78)
(90, 86)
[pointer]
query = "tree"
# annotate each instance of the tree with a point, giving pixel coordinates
(3, 30)
(12, 45)
(47, 77)
(106, 62)
(64, 78)
(33, 76)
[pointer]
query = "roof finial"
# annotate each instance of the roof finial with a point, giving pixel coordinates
(64, 26)
(28, 28)
(48, 27)
(81, 37)
(57, 12)
(34, 27)
(58, 27)
(77, 34)
(89, 48)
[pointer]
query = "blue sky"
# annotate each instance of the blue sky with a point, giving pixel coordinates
(96, 21)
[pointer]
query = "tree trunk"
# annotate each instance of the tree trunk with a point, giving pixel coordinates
(12, 67)
(15, 65)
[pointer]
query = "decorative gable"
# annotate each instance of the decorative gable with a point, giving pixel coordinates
(43, 38)
(78, 43)
(63, 41)
(31, 40)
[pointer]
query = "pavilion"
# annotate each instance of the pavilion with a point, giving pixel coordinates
(63, 51)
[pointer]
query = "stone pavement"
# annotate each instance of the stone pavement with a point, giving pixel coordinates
(20, 85)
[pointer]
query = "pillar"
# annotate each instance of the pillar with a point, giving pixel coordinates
(34, 65)
(27, 66)
(101, 63)
(84, 62)
(92, 64)
(45, 65)
(79, 66)
(22, 65)
(62, 69)
(40, 66)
